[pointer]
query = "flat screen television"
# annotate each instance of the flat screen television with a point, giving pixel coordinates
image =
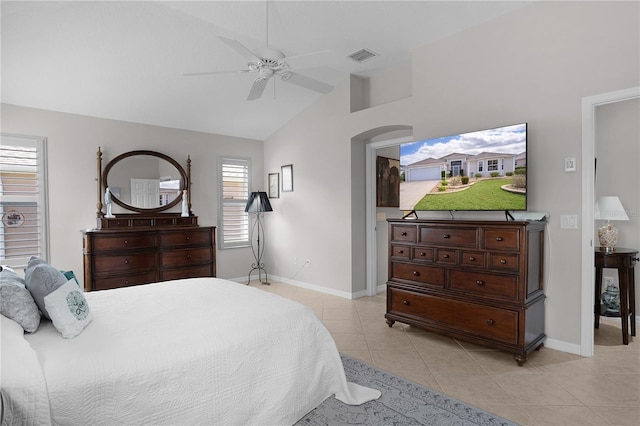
(484, 170)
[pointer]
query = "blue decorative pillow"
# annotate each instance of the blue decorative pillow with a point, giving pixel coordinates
(16, 302)
(69, 275)
(41, 280)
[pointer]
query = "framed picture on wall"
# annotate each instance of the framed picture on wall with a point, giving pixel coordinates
(274, 185)
(387, 182)
(287, 178)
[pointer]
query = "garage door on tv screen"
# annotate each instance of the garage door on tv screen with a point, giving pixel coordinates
(483, 170)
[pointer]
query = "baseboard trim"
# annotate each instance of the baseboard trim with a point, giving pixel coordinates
(559, 345)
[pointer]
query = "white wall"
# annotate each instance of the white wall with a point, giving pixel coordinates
(534, 65)
(72, 142)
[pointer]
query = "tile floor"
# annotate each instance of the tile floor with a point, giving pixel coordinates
(552, 388)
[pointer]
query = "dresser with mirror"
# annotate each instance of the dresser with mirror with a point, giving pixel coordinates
(153, 236)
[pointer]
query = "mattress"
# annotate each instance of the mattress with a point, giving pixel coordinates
(201, 350)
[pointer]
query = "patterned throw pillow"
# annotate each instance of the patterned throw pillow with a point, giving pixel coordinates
(16, 302)
(68, 309)
(42, 279)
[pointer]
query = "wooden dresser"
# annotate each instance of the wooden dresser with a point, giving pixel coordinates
(479, 281)
(120, 257)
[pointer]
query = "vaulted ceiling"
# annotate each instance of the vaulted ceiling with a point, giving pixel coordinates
(126, 60)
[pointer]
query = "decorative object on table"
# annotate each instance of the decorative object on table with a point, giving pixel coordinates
(185, 204)
(274, 185)
(257, 205)
(287, 178)
(12, 218)
(387, 182)
(609, 208)
(107, 203)
(611, 300)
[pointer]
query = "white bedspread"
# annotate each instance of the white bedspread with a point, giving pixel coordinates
(203, 350)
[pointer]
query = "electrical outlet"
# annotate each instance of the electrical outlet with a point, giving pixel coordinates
(608, 281)
(295, 260)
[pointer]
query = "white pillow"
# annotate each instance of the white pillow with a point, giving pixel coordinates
(68, 309)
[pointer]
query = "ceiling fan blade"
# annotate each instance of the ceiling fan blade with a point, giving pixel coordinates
(306, 82)
(240, 48)
(191, 74)
(257, 88)
(313, 59)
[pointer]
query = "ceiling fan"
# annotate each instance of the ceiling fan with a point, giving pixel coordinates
(267, 63)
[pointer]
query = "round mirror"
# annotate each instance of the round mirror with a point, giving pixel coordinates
(145, 181)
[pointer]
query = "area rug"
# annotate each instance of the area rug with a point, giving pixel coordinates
(402, 403)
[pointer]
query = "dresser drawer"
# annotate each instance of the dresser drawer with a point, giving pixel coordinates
(501, 239)
(419, 274)
(184, 257)
(124, 242)
(125, 280)
(423, 254)
(474, 259)
(443, 236)
(400, 252)
(185, 237)
(193, 272)
(503, 286)
(447, 257)
(506, 261)
(125, 262)
(485, 321)
(403, 234)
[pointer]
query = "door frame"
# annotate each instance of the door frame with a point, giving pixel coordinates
(589, 105)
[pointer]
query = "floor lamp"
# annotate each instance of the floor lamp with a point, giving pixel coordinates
(256, 206)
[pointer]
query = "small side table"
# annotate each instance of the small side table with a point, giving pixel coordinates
(624, 260)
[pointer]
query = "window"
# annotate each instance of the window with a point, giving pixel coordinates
(233, 193)
(492, 165)
(23, 201)
(480, 166)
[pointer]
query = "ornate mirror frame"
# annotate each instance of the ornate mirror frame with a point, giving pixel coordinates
(185, 184)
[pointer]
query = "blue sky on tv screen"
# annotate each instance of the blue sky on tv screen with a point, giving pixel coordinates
(506, 140)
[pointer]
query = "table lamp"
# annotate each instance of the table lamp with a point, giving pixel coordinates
(609, 208)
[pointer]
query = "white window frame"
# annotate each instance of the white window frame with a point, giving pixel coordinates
(222, 244)
(40, 144)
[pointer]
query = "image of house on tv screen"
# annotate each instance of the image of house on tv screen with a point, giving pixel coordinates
(483, 170)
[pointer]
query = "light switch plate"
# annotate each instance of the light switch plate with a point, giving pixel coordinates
(570, 164)
(568, 221)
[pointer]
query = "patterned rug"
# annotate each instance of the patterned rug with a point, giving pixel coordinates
(402, 403)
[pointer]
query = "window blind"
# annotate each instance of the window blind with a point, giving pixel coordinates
(234, 193)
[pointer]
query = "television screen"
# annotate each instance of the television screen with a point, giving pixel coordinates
(483, 170)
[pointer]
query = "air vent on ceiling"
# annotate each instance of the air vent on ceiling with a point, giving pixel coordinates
(363, 55)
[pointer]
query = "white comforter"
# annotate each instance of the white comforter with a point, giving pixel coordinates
(203, 350)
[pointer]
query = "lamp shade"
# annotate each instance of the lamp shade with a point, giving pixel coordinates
(258, 202)
(610, 208)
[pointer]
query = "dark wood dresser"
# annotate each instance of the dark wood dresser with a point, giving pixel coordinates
(124, 256)
(479, 281)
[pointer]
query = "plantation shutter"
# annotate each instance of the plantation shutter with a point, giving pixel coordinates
(234, 192)
(23, 208)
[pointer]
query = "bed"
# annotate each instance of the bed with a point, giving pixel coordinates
(195, 351)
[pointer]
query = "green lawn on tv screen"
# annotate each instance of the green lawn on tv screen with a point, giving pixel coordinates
(483, 195)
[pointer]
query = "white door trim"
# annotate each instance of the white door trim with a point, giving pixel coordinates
(589, 105)
(370, 170)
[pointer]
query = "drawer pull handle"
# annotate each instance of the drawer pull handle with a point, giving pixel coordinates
(446, 256)
(126, 241)
(480, 283)
(446, 236)
(188, 237)
(498, 238)
(490, 322)
(503, 261)
(406, 303)
(126, 282)
(401, 251)
(404, 234)
(188, 256)
(416, 273)
(472, 259)
(126, 261)
(423, 254)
